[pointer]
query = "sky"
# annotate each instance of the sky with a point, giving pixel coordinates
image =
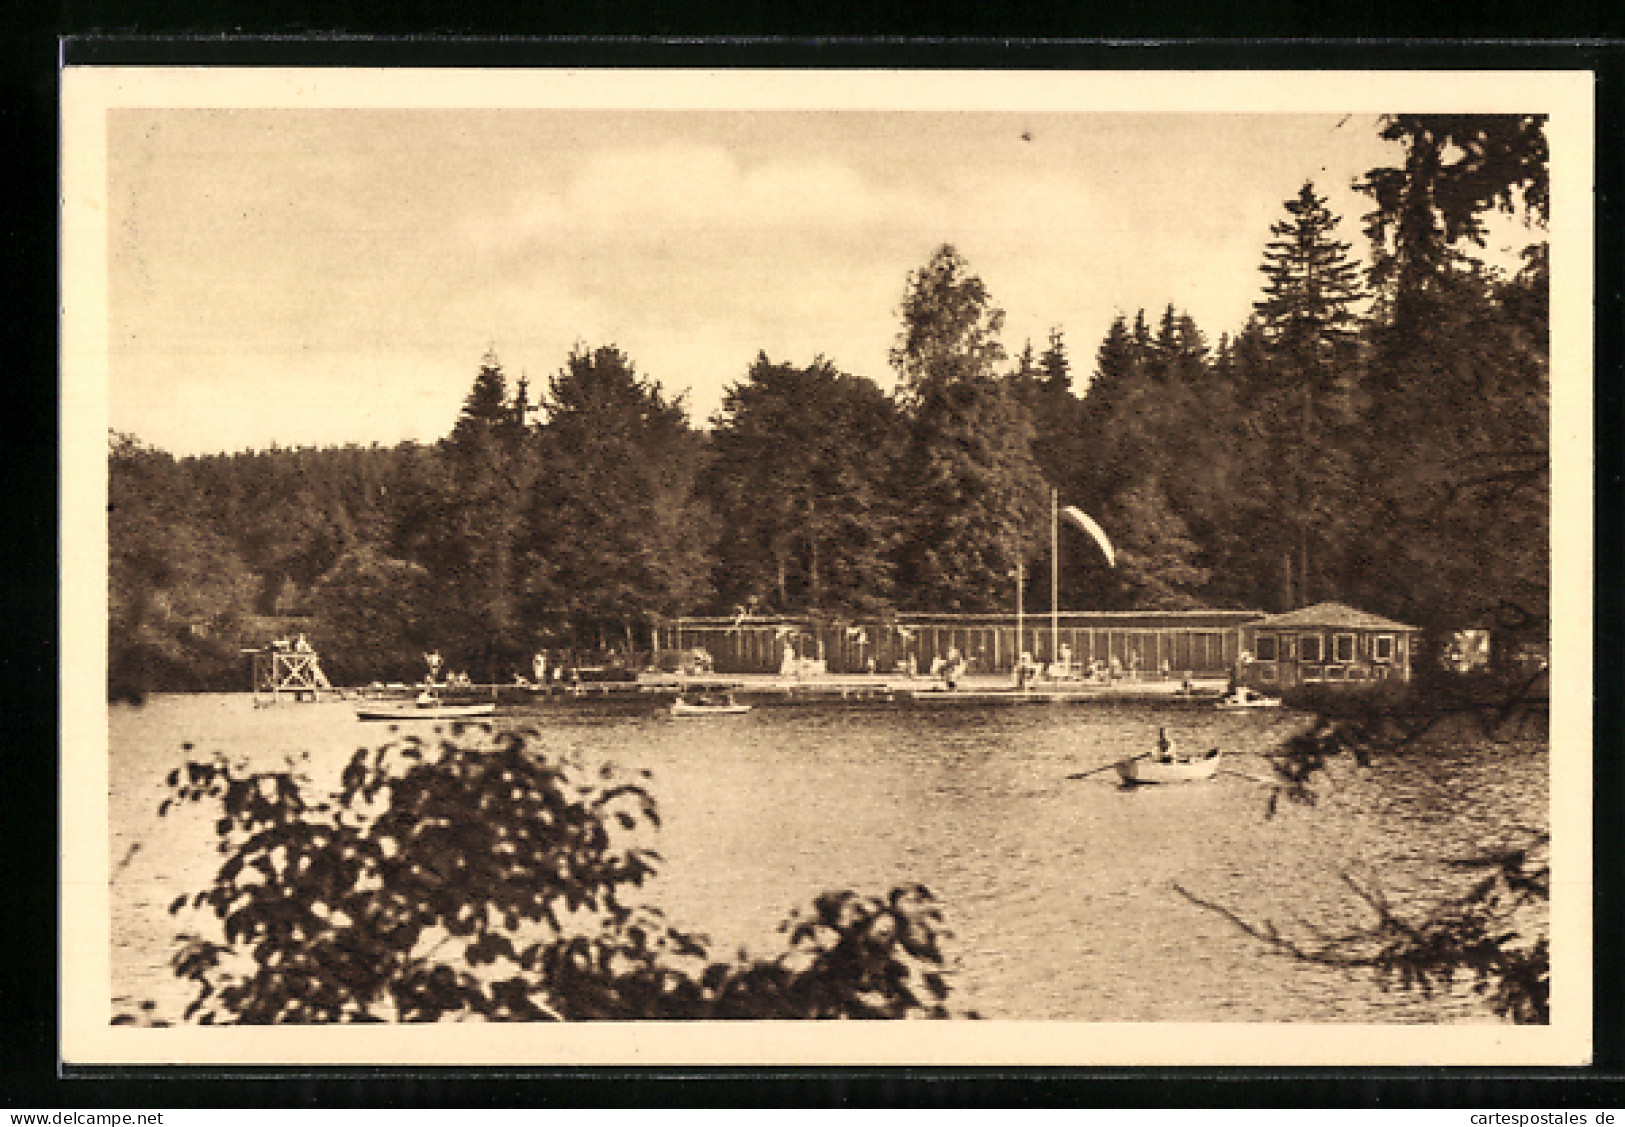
(322, 277)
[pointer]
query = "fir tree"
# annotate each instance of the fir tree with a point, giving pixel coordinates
(488, 473)
(1311, 286)
(1054, 364)
(1308, 326)
(486, 407)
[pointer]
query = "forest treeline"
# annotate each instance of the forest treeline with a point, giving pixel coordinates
(1375, 433)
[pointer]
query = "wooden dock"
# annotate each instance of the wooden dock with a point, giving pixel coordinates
(856, 689)
(1161, 692)
(770, 690)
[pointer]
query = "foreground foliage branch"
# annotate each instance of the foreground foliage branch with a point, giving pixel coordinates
(1494, 705)
(1474, 936)
(486, 877)
(1494, 934)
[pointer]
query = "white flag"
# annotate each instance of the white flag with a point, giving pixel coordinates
(1084, 521)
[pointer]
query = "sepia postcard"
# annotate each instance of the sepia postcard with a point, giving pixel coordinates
(684, 567)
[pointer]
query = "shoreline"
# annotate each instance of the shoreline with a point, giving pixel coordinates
(770, 688)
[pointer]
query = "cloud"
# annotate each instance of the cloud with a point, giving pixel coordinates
(642, 194)
(398, 247)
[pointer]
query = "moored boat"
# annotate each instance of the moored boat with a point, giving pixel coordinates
(1245, 698)
(425, 707)
(707, 706)
(1150, 769)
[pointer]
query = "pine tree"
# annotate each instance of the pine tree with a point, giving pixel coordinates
(1311, 286)
(1141, 333)
(486, 407)
(1043, 383)
(978, 499)
(1054, 364)
(1309, 328)
(1057, 418)
(1245, 539)
(1110, 439)
(489, 469)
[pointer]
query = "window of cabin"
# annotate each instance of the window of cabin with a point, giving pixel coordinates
(1382, 647)
(1343, 647)
(1265, 647)
(1309, 649)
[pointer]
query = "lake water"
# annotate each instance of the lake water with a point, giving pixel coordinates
(1060, 892)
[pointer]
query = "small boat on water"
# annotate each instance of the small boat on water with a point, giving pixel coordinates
(706, 705)
(427, 706)
(1245, 698)
(1151, 769)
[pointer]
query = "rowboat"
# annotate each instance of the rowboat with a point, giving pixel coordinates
(421, 709)
(1245, 698)
(724, 707)
(1149, 769)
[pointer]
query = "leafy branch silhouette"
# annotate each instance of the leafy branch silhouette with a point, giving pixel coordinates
(1473, 935)
(481, 876)
(1494, 933)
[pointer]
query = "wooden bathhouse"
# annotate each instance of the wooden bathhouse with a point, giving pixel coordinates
(1132, 643)
(1327, 643)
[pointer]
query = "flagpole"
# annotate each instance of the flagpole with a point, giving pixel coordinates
(1054, 576)
(1019, 616)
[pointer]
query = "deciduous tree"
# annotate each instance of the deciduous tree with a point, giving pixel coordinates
(804, 462)
(976, 496)
(617, 534)
(1456, 472)
(177, 591)
(497, 878)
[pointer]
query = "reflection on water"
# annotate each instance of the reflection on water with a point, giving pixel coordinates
(1060, 890)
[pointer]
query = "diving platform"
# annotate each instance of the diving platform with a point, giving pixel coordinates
(285, 671)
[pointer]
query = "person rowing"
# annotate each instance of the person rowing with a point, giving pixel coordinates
(1166, 752)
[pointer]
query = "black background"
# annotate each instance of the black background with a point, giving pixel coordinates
(760, 34)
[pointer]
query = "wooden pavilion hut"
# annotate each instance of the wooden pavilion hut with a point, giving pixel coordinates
(1327, 643)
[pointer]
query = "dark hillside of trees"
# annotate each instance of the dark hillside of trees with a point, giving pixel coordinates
(1374, 436)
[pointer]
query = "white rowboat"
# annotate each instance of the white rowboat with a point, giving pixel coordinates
(413, 710)
(1245, 698)
(1151, 770)
(697, 708)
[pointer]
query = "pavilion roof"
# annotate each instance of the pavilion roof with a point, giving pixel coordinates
(1334, 615)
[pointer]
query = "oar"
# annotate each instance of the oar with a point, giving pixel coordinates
(1108, 766)
(1248, 777)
